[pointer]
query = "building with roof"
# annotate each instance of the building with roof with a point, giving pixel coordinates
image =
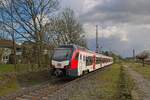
(6, 50)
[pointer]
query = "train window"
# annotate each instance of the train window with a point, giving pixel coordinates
(77, 56)
(89, 61)
(80, 56)
(98, 60)
(103, 60)
(84, 58)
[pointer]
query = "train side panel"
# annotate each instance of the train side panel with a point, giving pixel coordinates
(91, 61)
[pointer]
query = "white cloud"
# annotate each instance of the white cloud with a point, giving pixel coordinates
(126, 23)
(107, 32)
(76, 5)
(88, 4)
(5, 3)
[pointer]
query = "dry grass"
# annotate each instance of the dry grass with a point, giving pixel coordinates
(110, 84)
(102, 86)
(145, 71)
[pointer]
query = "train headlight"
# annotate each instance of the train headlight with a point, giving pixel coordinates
(66, 67)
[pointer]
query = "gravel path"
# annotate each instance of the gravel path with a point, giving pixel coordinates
(142, 84)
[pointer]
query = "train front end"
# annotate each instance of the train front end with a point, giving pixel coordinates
(62, 60)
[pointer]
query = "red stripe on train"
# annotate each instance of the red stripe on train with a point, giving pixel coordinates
(74, 61)
(94, 62)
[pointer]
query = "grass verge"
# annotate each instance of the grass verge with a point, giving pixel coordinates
(109, 80)
(110, 84)
(25, 77)
(10, 83)
(20, 68)
(145, 71)
(6, 68)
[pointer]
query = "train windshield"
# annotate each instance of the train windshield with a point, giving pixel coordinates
(62, 54)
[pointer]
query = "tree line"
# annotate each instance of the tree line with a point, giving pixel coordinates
(39, 22)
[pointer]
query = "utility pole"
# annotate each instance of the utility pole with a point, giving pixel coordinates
(102, 44)
(133, 54)
(97, 46)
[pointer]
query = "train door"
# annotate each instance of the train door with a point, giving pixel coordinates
(84, 63)
(94, 62)
(81, 63)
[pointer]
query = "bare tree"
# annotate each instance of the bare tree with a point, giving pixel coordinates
(3, 34)
(29, 19)
(7, 32)
(67, 29)
(142, 56)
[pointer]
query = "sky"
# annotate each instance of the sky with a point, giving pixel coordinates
(124, 25)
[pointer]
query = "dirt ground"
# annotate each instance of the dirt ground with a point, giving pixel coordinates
(142, 84)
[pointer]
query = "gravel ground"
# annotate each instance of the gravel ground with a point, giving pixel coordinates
(143, 85)
(85, 89)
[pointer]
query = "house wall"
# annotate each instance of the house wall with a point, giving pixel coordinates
(5, 55)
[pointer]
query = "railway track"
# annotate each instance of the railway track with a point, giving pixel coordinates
(47, 90)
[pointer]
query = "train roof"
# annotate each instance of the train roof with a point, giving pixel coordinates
(82, 48)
